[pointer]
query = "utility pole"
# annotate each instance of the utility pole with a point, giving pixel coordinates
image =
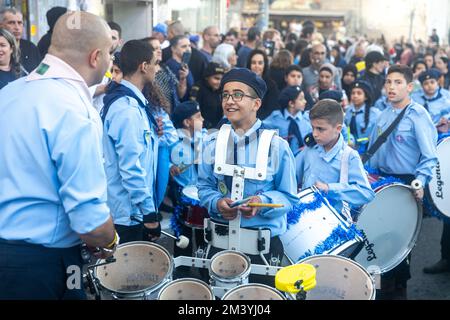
(263, 19)
(413, 11)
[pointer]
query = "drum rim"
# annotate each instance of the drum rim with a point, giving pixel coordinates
(147, 290)
(210, 290)
(415, 234)
(430, 194)
(360, 266)
(242, 276)
(261, 285)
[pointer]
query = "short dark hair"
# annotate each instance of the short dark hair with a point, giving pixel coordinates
(133, 54)
(328, 110)
(115, 26)
(405, 70)
(232, 32)
(253, 33)
(174, 41)
(293, 67)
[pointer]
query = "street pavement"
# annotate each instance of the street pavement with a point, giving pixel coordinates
(427, 251)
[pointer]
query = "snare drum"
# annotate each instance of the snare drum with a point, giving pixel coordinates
(339, 278)
(229, 269)
(390, 225)
(193, 214)
(140, 271)
(253, 291)
(186, 289)
(316, 228)
(438, 190)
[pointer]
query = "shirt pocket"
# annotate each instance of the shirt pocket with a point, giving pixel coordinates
(405, 131)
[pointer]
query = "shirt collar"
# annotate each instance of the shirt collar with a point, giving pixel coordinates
(434, 95)
(287, 115)
(53, 67)
(330, 155)
(249, 132)
(135, 90)
(352, 108)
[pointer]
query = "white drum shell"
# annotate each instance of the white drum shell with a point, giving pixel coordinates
(140, 271)
(253, 291)
(340, 278)
(229, 269)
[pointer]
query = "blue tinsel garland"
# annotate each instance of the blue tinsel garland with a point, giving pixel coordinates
(298, 209)
(336, 238)
(177, 217)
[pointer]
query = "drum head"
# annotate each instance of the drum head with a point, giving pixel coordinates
(439, 186)
(253, 292)
(339, 278)
(191, 192)
(391, 225)
(186, 289)
(229, 264)
(139, 267)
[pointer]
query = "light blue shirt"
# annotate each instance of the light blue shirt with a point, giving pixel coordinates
(186, 152)
(437, 108)
(314, 164)
(382, 103)
(410, 148)
(170, 135)
(131, 152)
(279, 187)
(52, 181)
(363, 132)
(280, 121)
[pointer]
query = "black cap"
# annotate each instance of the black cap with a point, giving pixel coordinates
(213, 69)
(429, 74)
(335, 95)
(247, 77)
(184, 110)
(53, 15)
(374, 57)
(365, 86)
(288, 94)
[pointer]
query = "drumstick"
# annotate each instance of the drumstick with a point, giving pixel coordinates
(183, 168)
(264, 205)
(239, 202)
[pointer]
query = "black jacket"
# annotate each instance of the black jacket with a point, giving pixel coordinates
(210, 103)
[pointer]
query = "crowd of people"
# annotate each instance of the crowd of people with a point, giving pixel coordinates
(111, 130)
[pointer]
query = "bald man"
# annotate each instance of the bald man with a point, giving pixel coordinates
(52, 178)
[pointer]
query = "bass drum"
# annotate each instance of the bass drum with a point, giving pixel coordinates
(390, 225)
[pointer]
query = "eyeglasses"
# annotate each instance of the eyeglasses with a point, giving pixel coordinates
(236, 96)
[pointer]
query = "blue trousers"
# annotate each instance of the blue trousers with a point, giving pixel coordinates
(34, 272)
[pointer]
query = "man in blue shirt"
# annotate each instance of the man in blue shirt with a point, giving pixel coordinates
(131, 146)
(242, 95)
(52, 181)
(409, 153)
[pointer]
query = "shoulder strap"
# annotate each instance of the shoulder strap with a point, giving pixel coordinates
(345, 164)
(383, 137)
(116, 91)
